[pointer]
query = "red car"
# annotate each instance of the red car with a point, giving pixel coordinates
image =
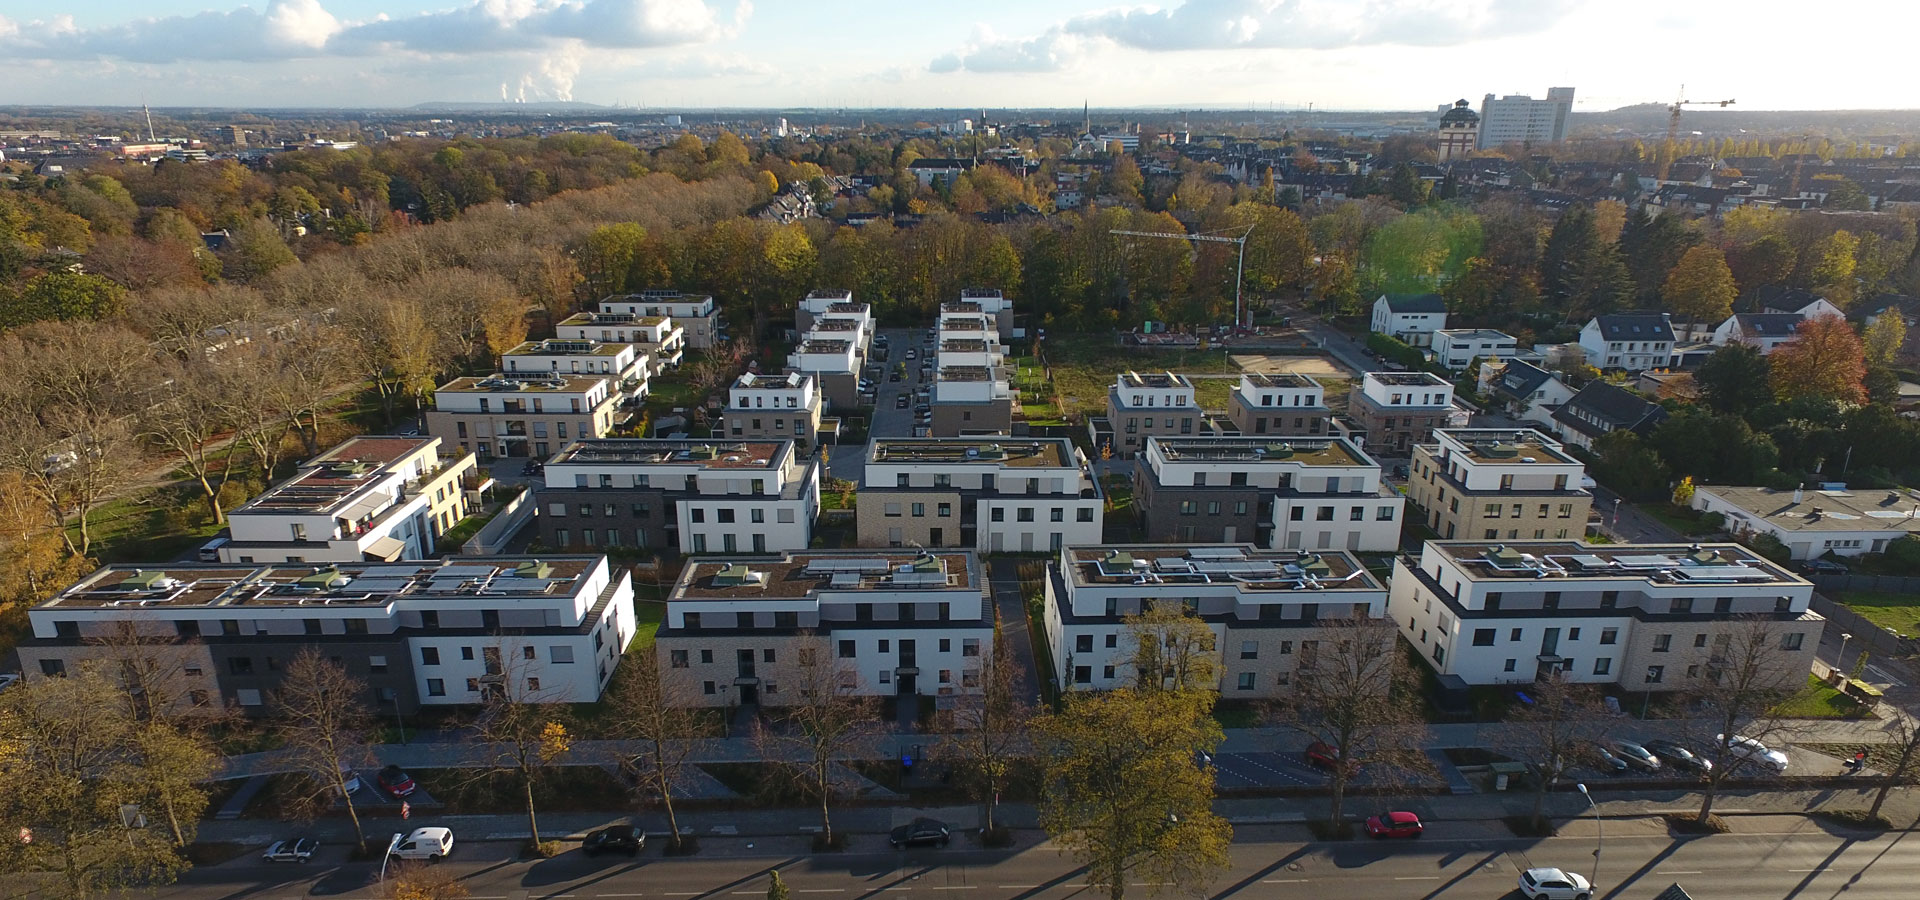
(1322, 754)
(396, 782)
(1394, 825)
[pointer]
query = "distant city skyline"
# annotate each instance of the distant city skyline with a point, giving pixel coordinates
(1278, 54)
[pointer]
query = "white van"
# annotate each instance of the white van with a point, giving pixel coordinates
(210, 551)
(424, 843)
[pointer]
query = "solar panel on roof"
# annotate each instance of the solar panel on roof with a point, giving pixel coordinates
(1216, 553)
(920, 579)
(1589, 561)
(1645, 561)
(845, 579)
(367, 585)
(831, 565)
(389, 572)
(462, 572)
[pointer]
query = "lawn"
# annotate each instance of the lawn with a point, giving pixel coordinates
(1685, 521)
(1819, 701)
(1900, 612)
(561, 789)
(1084, 367)
(152, 526)
(1212, 393)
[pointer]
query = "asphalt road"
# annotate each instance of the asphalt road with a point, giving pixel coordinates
(1805, 862)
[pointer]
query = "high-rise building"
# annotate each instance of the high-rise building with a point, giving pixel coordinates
(1459, 132)
(1520, 119)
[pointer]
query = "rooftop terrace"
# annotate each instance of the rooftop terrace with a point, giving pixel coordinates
(1659, 563)
(1043, 453)
(707, 454)
(782, 382)
(330, 478)
(560, 347)
(824, 345)
(523, 382)
(1407, 379)
(966, 373)
(800, 575)
(221, 585)
(1279, 380)
(1242, 565)
(1292, 451)
(1154, 380)
(1494, 446)
(607, 318)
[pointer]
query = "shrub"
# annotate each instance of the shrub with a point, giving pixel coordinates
(543, 849)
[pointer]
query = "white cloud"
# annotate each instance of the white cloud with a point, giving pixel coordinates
(1258, 25)
(305, 29)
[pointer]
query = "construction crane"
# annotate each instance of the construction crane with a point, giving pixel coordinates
(1669, 149)
(1214, 237)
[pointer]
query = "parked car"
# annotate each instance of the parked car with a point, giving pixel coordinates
(1636, 755)
(295, 850)
(395, 781)
(1554, 884)
(1394, 825)
(628, 839)
(1750, 750)
(902, 401)
(1322, 755)
(1679, 757)
(429, 843)
(913, 353)
(1606, 761)
(1825, 567)
(894, 377)
(921, 831)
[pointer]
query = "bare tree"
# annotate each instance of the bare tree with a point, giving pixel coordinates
(1903, 770)
(1354, 692)
(422, 881)
(186, 418)
(650, 708)
(169, 719)
(522, 725)
(190, 322)
(827, 719)
(1555, 734)
(987, 731)
(1751, 675)
(326, 726)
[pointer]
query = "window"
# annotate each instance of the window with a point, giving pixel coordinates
(1297, 514)
(766, 656)
(1493, 511)
(1551, 600)
(706, 657)
(1083, 643)
(999, 514)
(1783, 604)
(946, 676)
(53, 668)
(944, 510)
(1082, 674)
(919, 510)
(1357, 514)
(1286, 648)
(473, 685)
(1699, 641)
(1383, 514)
(1483, 637)
(1662, 643)
(1510, 664)
(847, 649)
(1060, 515)
(699, 515)
(240, 665)
(466, 653)
(1189, 508)
(1323, 514)
(707, 687)
(429, 656)
(1723, 605)
(1603, 665)
(560, 654)
(376, 663)
(1609, 635)
(436, 687)
(1024, 514)
(679, 658)
(893, 510)
(1493, 600)
(1515, 634)
(1113, 640)
(1792, 641)
(946, 645)
(1249, 649)
(527, 653)
(1246, 681)
(1573, 634)
(969, 647)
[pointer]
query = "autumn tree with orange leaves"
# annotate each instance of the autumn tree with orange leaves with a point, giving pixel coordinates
(1825, 361)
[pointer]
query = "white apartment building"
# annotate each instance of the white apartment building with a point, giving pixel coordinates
(994, 495)
(696, 313)
(697, 496)
(991, 303)
(1631, 341)
(658, 338)
(432, 633)
(1646, 617)
(524, 415)
(1410, 318)
(1265, 607)
(1764, 332)
(1141, 406)
(1457, 348)
(1520, 119)
(834, 364)
(1289, 494)
(773, 406)
(1281, 403)
(370, 498)
(1814, 523)
(818, 302)
(738, 632)
(621, 363)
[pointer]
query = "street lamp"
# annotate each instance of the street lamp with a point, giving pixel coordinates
(1841, 663)
(1599, 838)
(1647, 702)
(1616, 514)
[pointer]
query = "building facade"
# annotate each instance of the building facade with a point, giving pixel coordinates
(657, 338)
(1499, 483)
(1815, 523)
(693, 496)
(1154, 404)
(773, 406)
(1520, 119)
(697, 314)
(1457, 348)
(1599, 408)
(1409, 318)
(1284, 403)
(1300, 493)
(1400, 409)
(1646, 617)
(522, 416)
(1265, 607)
(834, 366)
(996, 495)
(1629, 341)
(1525, 390)
(370, 498)
(443, 633)
(1459, 132)
(620, 363)
(744, 632)
(971, 393)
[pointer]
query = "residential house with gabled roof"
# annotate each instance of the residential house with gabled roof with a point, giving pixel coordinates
(1409, 318)
(1600, 408)
(1529, 392)
(1761, 331)
(1632, 341)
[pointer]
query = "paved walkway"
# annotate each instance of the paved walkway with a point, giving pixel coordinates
(1010, 606)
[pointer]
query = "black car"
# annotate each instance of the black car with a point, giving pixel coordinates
(1679, 757)
(921, 831)
(628, 839)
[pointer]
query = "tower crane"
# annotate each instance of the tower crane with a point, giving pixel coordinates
(1214, 237)
(1673, 125)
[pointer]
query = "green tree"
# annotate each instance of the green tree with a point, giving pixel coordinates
(1824, 361)
(1599, 283)
(1651, 246)
(1572, 240)
(64, 296)
(1630, 467)
(1842, 193)
(607, 256)
(1831, 271)
(1734, 380)
(1173, 649)
(776, 888)
(1406, 188)
(255, 250)
(1885, 338)
(1122, 793)
(1714, 447)
(1766, 260)
(1700, 286)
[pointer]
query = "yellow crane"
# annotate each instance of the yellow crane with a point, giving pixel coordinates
(1668, 150)
(1239, 267)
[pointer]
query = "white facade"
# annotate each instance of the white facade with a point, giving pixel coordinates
(1814, 523)
(1412, 322)
(1024, 496)
(1154, 391)
(368, 498)
(1412, 391)
(656, 337)
(621, 363)
(1537, 401)
(1628, 341)
(793, 391)
(1520, 119)
(1457, 348)
(696, 313)
(1323, 493)
(726, 496)
(1272, 393)
(825, 357)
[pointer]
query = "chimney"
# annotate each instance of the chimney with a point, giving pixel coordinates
(1796, 493)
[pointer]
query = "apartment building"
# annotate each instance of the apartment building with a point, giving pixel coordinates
(694, 496)
(1300, 493)
(1520, 119)
(989, 302)
(773, 406)
(969, 399)
(1499, 483)
(696, 313)
(1400, 409)
(1630, 341)
(1646, 617)
(1265, 607)
(1411, 319)
(621, 363)
(817, 304)
(1283, 403)
(369, 498)
(739, 632)
(1815, 523)
(1154, 404)
(994, 495)
(522, 415)
(662, 341)
(432, 633)
(834, 365)
(1457, 348)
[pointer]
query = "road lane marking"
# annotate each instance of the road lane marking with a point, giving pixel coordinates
(822, 890)
(1820, 869)
(1016, 887)
(1283, 881)
(1416, 878)
(1681, 872)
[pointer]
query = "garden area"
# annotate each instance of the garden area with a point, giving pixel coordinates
(1822, 701)
(1899, 613)
(1084, 367)
(1687, 521)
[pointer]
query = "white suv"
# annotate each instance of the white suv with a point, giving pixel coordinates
(1753, 751)
(1554, 884)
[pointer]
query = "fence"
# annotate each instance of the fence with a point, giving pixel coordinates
(494, 535)
(1885, 584)
(1841, 620)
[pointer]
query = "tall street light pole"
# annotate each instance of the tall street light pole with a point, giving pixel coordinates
(1840, 664)
(1600, 837)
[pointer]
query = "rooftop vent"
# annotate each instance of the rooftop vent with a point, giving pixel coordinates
(738, 575)
(533, 568)
(324, 579)
(150, 581)
(1503, 451)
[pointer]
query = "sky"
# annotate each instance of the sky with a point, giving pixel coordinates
(972, 55)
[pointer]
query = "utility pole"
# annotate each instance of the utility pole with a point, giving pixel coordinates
(1238, 270)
